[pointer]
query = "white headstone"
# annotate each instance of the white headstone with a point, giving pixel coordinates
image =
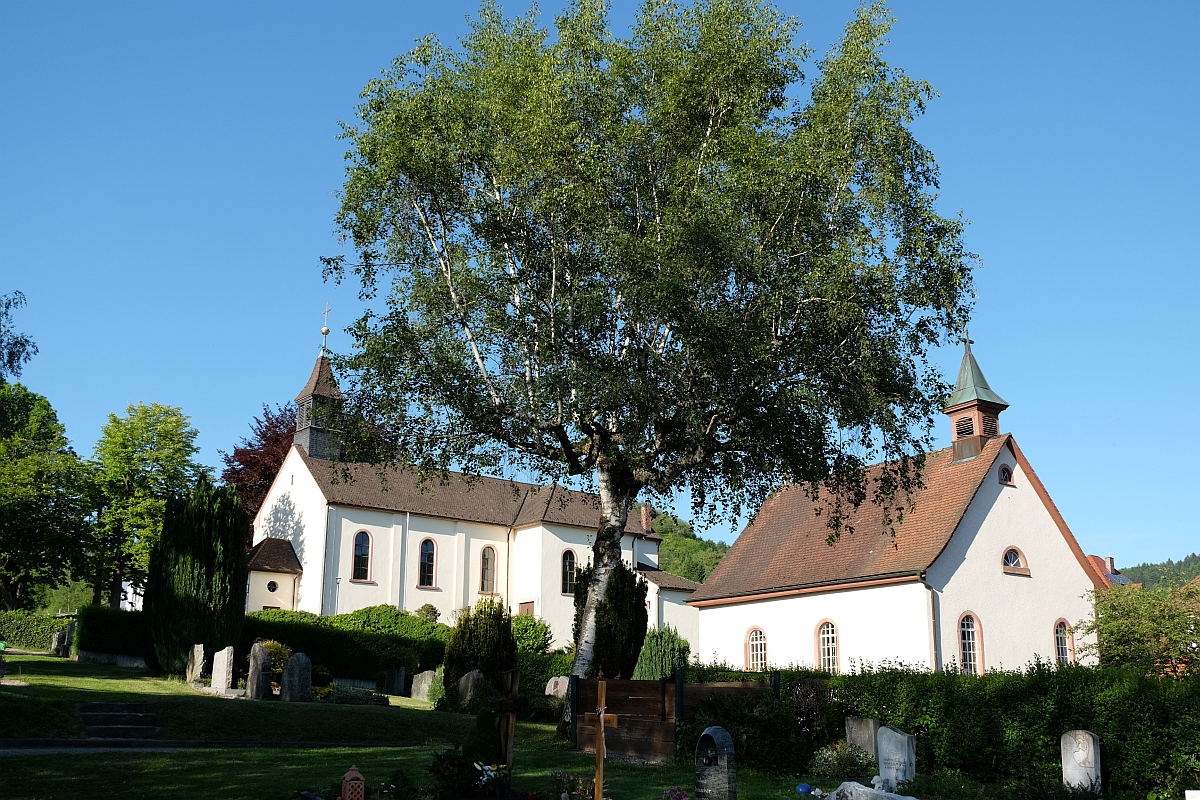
(469, 684)
(896, 752)
(222, 672)
(557, 687)
(195, 662)
(861, 731)
(1191, 794)
(422, 681)
(1081, 759)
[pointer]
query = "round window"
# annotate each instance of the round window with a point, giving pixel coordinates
(272, 586)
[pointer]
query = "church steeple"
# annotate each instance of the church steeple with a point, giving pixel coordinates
(974, 409)
(320, 393)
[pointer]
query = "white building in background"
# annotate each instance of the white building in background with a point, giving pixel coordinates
(982, 573)
(352, 536)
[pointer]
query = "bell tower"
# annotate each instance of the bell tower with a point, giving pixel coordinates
(974, 409)
(318, 397)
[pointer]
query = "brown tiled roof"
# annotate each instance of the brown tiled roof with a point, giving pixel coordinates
(785, 548)
(321, 382)
(491, 501)
(666, 580)
(273, 555)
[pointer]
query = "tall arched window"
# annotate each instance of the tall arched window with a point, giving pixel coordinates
(362, 556)
(827, 646)
(1062, 642)
(568, 572)
(756, 651)
(487, 571)
(425, 573)
(968, 644)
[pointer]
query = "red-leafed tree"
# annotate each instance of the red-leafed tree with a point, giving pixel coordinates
(255, 461)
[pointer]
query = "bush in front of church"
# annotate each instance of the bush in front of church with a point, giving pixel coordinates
(663, 651)
(482, 639)
(621, 620)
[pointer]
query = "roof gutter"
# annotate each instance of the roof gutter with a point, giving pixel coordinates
(836, 585)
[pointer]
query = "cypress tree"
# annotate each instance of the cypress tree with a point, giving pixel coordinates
(481, 640)
(195, 593)
(621, 619)
(663, 651)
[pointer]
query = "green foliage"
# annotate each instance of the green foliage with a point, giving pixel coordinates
(538, 668)
(47, 497)
(437, 687)
(29, 631)
(66, 598)
(1166, 572)
(195, 592)
(621, 620)
(429, 613)
(481, 639)
(102, 629)
(353, 696)
(321, 676)
(663, 650)
(948, 785)
(849, 762)
(280, 653)
(15, 348)
(533, 635)
(682, 552)
(391, 620)
(1154, 631)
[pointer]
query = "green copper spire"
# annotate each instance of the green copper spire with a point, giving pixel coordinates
(971, 384)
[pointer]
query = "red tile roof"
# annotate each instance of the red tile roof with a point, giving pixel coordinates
(273, 555)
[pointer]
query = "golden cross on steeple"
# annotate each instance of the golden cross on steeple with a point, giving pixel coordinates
(325, 331)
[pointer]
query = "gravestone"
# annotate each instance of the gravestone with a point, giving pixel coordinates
(422, 681)
(470, 684)
(222, 670)
(557, 687)
(716, 767)
(296, 686)
(195, 662)
(1081, 759)
(1191, 794)
(896, 753)
(393, 681)
(258, 682)
(861, 731)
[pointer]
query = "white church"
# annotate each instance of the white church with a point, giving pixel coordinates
(328, 545)
(983, 574)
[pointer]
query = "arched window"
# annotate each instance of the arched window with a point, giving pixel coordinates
(1014, 562)
(1006, 475)
(756, 650)
(362, 556)
(968, 644)
(1012, 559)
(568, 572)
(1063, 649)
(827, 646)
(425, 573)
(487, 571)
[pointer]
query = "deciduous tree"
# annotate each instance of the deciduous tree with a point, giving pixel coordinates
(640, 263)
(1154, 630)
(15, 348)
(254, 462)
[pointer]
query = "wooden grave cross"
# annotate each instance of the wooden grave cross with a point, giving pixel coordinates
(506, 711)
(601, 721)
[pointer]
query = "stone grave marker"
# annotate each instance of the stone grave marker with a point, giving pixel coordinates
(896, 753)
(1191, 794)
(506, 711)
(393, 681)
(296, 686)
(195, 663)
(469, 684)
(557, 687)
(1081, 759)
(421, 683)
(222, 670)
(861, 731)
(258, 682)
(716, 767)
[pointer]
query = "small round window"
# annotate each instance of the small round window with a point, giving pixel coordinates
(272, 586)
(1006, 474)
(1013, 559)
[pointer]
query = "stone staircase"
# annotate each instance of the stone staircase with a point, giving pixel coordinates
(118, 720)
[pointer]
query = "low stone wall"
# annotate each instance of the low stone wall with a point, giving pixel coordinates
(111, 658)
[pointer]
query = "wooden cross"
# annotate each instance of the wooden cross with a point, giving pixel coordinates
(506, 710)
(601, 721)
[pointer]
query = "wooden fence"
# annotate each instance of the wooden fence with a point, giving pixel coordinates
(648, 712)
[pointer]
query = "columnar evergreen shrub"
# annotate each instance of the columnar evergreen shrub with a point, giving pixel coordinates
(196, 587)
(26, 630)
(482, 639)
(621, 620)
(663, 651)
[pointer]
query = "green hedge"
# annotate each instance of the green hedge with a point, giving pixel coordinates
(102, 629)
(26, 630)
(538, 668)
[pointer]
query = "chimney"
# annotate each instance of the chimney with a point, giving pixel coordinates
(647, 517)
(1110, 566)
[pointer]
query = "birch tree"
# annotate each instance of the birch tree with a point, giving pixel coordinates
(650, 263)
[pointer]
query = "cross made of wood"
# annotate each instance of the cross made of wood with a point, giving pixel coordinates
(601, 721)
(506, 711)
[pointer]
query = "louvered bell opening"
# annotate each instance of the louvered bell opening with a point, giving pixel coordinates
(964, 427)
(990, 426)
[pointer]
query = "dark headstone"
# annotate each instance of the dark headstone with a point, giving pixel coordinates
(470, 684)
(393, 681)
(716, 768)
(258, 683)
(862, 731)
(296, 686)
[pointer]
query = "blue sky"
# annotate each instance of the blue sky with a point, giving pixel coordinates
(168, 175)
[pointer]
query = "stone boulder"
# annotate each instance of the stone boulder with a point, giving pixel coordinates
(258, 683)
(422, 682)
(470, 685)
(195, 663)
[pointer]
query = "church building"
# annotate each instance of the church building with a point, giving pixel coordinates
(982, 574)
(331, 545)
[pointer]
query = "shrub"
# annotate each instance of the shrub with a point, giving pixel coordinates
(538, 668)
(482, 639)
(102, 629)
(663, 651)
(280, 653)
(429, 613)
(352, 696)
(321, 676)
(846, 761)
(621, 619)
(437, 687)
(675, 793)
(32, 631)
(533, 635)
(346, 653)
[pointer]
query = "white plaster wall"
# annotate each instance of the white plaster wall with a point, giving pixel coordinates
(295, 509)
(874, 624)
(556, 608)
(679, 615)
(446, 591)
(1017, 614)
(477, 537)
(259, 597)
(527, 556)
(344, 593)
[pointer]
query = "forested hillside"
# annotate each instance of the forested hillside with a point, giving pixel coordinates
(683, 552)
(1168, 571)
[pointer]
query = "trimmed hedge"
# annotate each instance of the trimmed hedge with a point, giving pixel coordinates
(538, 668)
(26, 630)
(103, 629)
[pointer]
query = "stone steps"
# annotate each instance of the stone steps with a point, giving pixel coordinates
(118, 720)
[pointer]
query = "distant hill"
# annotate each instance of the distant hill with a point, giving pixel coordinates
(1168, 571)
(684, 553)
